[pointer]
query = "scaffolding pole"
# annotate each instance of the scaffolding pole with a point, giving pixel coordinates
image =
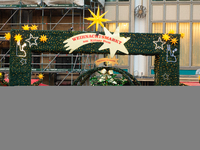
(5, 55)
(69, 72)
(51, 62)
(8, 19)
(61, 19)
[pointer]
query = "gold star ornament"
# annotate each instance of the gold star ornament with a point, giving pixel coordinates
(40, 76)
(18, 38)
(166, 37)
(34, 27)
(7, 36)
(97, 19)
(26, 27)
(0, 74)
(43, 38)
(174, 41)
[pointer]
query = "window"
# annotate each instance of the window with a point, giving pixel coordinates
(185, 21)
(184, 44)
(170, 26)
(196, 44)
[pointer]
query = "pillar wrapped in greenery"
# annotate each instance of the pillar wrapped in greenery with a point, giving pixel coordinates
(166, 68)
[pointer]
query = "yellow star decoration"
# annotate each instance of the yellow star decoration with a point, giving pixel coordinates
(40, 76)
(34, 27)
(26, 27)
(182, 35)
(18, 37)
(0, 74)
(174, 41)
(171, 31)
(97, 19)
(166, 37)
(43, 38)
(7, 36)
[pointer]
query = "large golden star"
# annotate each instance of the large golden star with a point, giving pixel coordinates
(97, 19)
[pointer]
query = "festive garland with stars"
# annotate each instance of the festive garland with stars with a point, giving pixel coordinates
(139, 44)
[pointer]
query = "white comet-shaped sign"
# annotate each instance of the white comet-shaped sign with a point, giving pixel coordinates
(112, 41)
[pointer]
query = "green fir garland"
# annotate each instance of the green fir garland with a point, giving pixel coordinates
(139, 44)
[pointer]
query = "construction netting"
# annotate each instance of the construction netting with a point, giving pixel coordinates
(47, 2)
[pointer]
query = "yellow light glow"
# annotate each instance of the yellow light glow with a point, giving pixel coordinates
(43, 38)
(174, 41)
(26, 27)
(171, 31)
(34, 27)
(40, 76)
(97, 19)
(182, 35)
(7, 36)
(166, 37)
(18, 37)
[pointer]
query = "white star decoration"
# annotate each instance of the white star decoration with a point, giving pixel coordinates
(156, 42)
(165, 76)
(23, 61)
(29, 40)
(115, 46)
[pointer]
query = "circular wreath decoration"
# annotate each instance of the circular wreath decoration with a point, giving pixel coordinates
(83, 77)
(140, 11)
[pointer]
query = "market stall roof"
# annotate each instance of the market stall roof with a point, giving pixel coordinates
(32, 81)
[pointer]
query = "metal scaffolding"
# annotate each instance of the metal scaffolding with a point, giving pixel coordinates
(51, 66)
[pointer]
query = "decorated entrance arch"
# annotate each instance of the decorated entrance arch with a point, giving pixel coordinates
(23, 42)
(166, 55)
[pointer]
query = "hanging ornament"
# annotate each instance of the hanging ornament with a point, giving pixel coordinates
(34, 27)
(40, 76)
(26, 27)
(7, 36)
(97, 19)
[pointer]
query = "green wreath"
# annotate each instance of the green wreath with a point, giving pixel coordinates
(83, 77)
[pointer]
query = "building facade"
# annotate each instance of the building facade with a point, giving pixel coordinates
(182, 16)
